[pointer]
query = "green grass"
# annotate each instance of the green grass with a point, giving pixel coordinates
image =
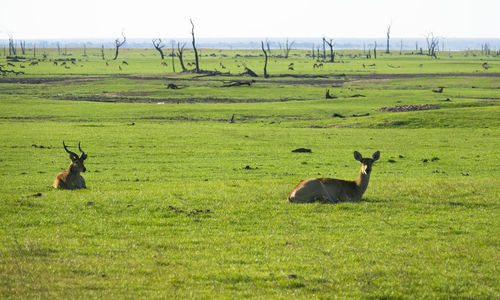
(172, 212)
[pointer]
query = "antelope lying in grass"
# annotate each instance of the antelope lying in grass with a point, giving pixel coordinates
(71, 178)
(331, 190)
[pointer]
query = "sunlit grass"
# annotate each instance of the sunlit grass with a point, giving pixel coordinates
(181, 203)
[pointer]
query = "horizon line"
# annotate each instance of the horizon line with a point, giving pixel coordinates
(248, 38)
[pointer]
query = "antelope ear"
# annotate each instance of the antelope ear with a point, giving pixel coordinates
(357, 156)
(376, 156)
(84, 156)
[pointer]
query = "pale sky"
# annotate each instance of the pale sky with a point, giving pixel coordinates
(57, 19)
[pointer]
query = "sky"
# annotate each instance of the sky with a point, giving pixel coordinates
(60, 19)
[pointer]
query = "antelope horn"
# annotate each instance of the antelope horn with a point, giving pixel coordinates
(83, 156)
(72, 154)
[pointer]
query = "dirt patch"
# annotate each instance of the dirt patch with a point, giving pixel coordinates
(370, 80)
(392, 123)
(122, 94)
(336, 126)
(138, 99)
(29, 118)
(43, 80)
(488, 101)
(406, 108)
(192, 213)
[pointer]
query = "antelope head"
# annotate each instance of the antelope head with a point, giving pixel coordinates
(366, 163)
(76, 161)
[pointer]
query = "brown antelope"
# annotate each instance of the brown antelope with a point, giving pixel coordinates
(71, 178)
(330, 190)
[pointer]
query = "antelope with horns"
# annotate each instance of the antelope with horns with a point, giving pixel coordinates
(330, 190)
(71, 178)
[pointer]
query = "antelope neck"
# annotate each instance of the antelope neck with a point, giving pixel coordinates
(72, 170)
(362, 180)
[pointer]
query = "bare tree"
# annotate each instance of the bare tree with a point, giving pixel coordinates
(388, 38)
(432, 43)
(375, 50)
(330, 44)
(23, 47)
(102, 51)
(194, 48)
(12, 46)
(324, 49)
(118, 44)
(265, 62)
(180, 53)
(158, 45)
(288, 47)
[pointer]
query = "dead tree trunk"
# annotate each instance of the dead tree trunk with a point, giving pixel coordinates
(330, 44)
(324, 49)
(194, 48)
(118, 44)
(375, 50)
(265, 62)
(180, 53)
(329, 96)
(158, 45)
(388, 38)
(268, 48)
(102, 52)
(288, 47)
(249, 72)
(12, 46)
(173, 56)
(23, 47)
(432, 43)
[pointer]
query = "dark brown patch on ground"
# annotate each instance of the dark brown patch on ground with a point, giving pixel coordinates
(123, 99)
(406, 108)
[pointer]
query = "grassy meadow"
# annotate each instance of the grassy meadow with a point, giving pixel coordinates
(182, 203)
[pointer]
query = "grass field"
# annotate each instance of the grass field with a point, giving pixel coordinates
(181, 203)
